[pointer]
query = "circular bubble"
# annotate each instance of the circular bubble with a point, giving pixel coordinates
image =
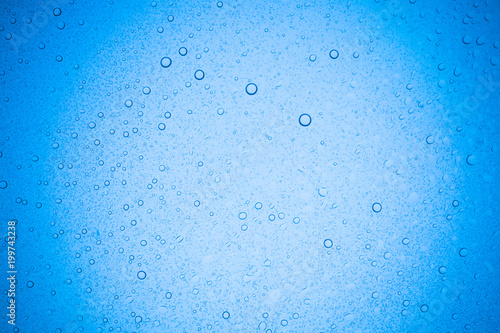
(251, 88)
(165, 62)
(334, 54)
(161, 126)
(199, 74)
(242, 215)
(141, 275)
(183, 51)
(61, 25)
(405, 241)
(312, 58)
(30, 284)
(284, 322)
(376, 207)
(128, 103)
(305, 119)
(455, 203)
(430, 140)
(170, 18)
(258, 205)
(463, 252)
(168, 295)
(442, 270)
(225, 315)
(197, 203)
(3, 184)
(219, 4)
(328, 243)
(59, 58)
(296, 220)
(146, 90)
(220, 111)
(57, 11)
(167, 115)
(424, 308)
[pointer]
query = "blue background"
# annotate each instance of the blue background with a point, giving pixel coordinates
(149, 200)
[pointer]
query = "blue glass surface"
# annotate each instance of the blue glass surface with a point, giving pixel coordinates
(244, 166)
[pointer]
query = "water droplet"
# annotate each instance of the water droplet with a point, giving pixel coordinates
(376, 207)
(328, 243)
(305, 119)
(251, 88)
(334, 54)
(199, 74)
(165, 62)
(471, 160)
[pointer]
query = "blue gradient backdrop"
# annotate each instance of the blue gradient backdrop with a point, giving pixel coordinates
(164, 180)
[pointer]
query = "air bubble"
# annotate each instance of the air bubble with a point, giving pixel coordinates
(183, 51)
(242, 215)
(225, 315)
(141, 275)
(463, 252)
(328, 243)
(128, 103)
